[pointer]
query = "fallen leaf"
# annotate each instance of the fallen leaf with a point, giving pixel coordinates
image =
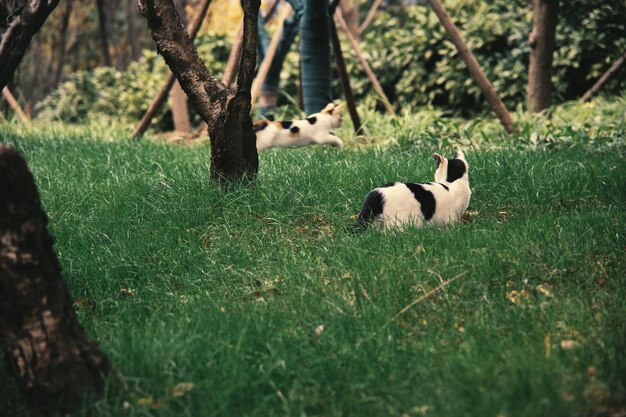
(128, 291)
(419, 249)
(546, 344)
(515, 296)
(319, 329)
(149, 401)
(346, 275)
(568, 344)
(181, 389)
(545, 290)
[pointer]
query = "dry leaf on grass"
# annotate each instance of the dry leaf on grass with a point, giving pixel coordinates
(319, 329)
(568, 344)
(516, 297)
(181, 389)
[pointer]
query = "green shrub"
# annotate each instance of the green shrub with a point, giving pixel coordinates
(125, 96)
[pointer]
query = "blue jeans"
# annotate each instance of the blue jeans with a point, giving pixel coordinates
(311, 17)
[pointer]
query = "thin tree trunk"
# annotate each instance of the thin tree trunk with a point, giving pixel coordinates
(104, 33)
(180, 110)
(171, 78)
(604, 78)
(542, 41)
(19, 31)
(55, 364)
(349, 10)
(131, 29)
(344, 78)
(227, 112)
(366, 66)
(63, 42)
(472, 65)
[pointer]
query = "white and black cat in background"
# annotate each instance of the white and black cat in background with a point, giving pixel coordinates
(400, 204)
(314, 130)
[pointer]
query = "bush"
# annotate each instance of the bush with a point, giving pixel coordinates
(417, 64)
(125, 96)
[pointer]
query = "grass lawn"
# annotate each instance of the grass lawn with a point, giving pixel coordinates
(256, 301)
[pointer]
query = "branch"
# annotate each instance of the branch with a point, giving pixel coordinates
(208, 95)
(25, 24)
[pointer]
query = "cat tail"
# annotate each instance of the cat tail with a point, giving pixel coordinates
(372, 207)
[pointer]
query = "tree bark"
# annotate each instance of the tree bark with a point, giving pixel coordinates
(472, 65)
(369, 18)
(63, 42)
(171, 78)
(19, 31)
(104, 33)
(542, 41)
(131, 29)
(56, 365)
(226, 112)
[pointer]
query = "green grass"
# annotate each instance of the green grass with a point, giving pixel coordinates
(228, 286)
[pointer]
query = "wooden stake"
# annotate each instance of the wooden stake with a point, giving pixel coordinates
(343, 77)
(365, 64)
(162, 95)
(15, 106)
(604, 78)
(472, 65)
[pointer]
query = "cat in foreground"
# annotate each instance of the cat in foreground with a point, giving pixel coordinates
(314, 130)
(399, 204)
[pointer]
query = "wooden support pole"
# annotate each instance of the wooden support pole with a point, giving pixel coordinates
(264, 68)
(472, 65)
(163, 94)
(343, 77)
(604, 78)
(366, 66)
(15, 106)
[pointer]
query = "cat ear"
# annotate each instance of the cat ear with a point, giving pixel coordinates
(329, 108)
(438, 158)
(459, 154)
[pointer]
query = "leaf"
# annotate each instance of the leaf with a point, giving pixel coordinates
(319, 329)
(181, 389)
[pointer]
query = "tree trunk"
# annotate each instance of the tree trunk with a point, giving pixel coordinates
(350, 12)
(104, 33)
(542, 41)
(63, 42)
(56, 365)
(226, 112)
(180, 111)
(131, 29)
(19, 31)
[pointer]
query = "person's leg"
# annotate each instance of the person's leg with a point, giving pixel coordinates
(315, 55)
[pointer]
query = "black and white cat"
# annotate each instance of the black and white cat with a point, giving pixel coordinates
(314, 130)
(400, 204)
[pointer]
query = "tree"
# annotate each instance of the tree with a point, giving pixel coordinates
(23, 21)
(56, 365)
(542, 41)
(104, 32)
(226, 111)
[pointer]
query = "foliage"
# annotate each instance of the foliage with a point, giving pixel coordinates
(256, 301)
(418, 65)
(124, 96)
